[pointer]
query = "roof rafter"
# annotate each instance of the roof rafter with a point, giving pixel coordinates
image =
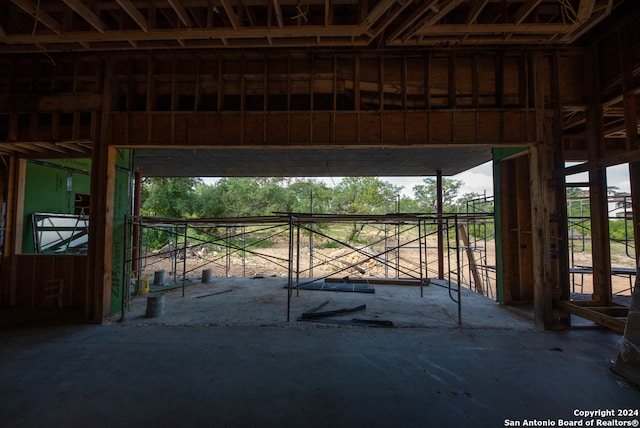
(525, 10)
(181, 12)
(134, 13)
(86, 13)
(39, 15)
(476, 10)
(415, 16)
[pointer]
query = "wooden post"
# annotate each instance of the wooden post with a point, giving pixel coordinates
(100, 257)
(547, 206)
(600, 247)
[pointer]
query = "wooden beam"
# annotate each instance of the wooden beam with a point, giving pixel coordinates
(452, 4)
(599, 318)
(380, 9)
(492, 29)
(134, 13)
(600, 246)
(179, 9)
(86, 14)
(625, 49)
(412, 19)
(100, 251)
(278, 11)
(585, 10)
(39, 15)
(525, 10)
(231, 14)
(476, 10)
(156, 34)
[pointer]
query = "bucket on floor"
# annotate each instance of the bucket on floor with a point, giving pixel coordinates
(143, 286)
(155, 305)
(206, 276)
(158, 277)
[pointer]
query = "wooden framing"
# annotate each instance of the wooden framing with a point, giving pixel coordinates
(171, 90)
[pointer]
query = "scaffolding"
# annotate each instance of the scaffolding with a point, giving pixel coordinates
(311, 248)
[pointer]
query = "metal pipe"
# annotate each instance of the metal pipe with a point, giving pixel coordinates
(439, 210)
(290, 274)
(184, 259)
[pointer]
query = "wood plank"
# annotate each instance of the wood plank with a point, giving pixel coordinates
(604, 320)
(374, 281)
(477, 279)
(134, 13)
(86, 13)
(179, 9)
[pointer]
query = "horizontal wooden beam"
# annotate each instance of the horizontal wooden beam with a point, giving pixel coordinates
(61, 102)
(324, 129)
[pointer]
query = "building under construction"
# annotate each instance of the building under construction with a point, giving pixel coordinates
(96, 94)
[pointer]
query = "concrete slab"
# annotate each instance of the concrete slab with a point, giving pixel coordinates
(286, 376)
(231, 360)
(263, 301)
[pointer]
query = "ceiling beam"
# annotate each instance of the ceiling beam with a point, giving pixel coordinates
(430, 21)
(525, 10)
(415, 16)
(181, 12)
(278, 12)
(373, 16)
(86, 13)
(134, 13)
(585, 10)
(39, 15)
(476, 10)
(186, 34)
(443, 12)
(233, 18)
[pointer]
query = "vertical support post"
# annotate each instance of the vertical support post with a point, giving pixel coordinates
(311, 233)
(298, 259)
(600, 247)
(290, 274)
(100, 251)
(136, 249)
(420, 257)
(184, 259)
(439, 213)
(547, 209)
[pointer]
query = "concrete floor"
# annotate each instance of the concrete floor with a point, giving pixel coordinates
(223, 370)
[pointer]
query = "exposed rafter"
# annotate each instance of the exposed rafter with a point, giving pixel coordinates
(50, 24)
(86, 13)
(134, 13)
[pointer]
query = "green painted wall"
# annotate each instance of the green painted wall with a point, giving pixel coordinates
(47, 191)
(51, 186)
(498, 155)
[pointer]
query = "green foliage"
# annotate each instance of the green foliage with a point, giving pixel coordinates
(426, 194)
(172, 197)
(617, 230)
(365, 195)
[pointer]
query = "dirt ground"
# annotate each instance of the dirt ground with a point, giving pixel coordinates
(340, 262)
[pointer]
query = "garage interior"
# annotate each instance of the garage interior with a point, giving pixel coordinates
(95, 94)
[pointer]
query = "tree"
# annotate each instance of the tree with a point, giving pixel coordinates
(365, 195)
(426, 195)
(173, 197)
